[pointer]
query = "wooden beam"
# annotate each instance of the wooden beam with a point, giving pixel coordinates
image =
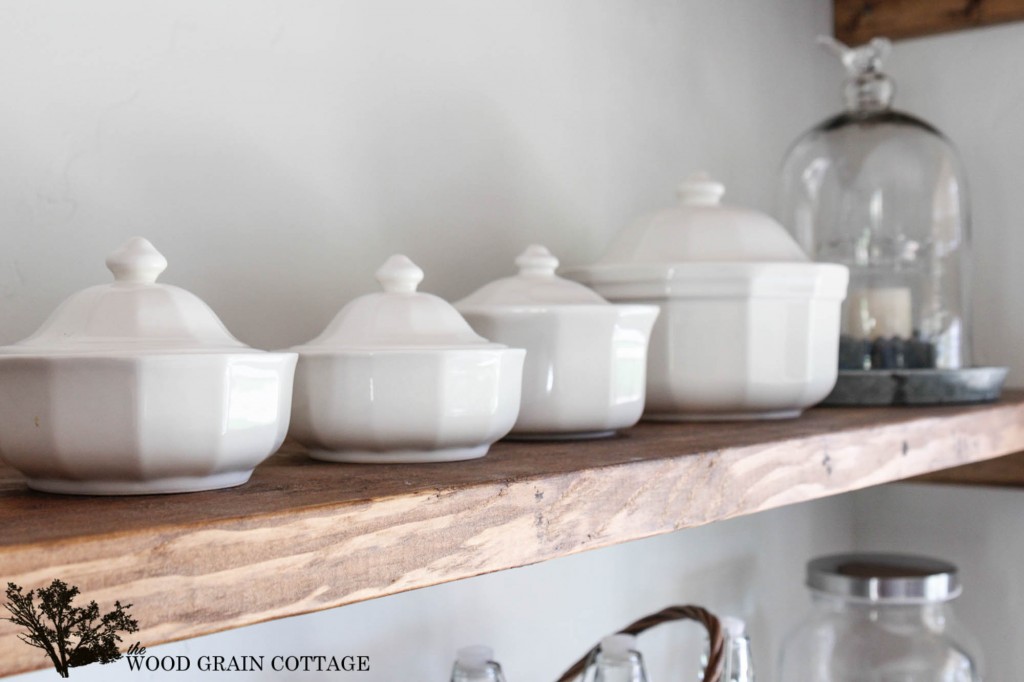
(304, 536)
(858, 21)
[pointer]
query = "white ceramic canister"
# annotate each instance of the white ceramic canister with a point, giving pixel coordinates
(136, 387)
(749, 327)
(399, 376)
(586, 359)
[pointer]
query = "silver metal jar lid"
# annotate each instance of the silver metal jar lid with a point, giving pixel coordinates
(884, 578)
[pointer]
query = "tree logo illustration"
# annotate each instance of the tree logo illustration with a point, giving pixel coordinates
(71, 636)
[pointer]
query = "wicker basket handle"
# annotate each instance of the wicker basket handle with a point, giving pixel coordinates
(713, 673)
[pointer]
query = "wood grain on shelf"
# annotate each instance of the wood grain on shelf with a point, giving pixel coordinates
(1004, 472)
(303, 536)
(858, 21)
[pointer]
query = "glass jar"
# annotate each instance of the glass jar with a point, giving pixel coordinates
(884, 193)
(880, 618)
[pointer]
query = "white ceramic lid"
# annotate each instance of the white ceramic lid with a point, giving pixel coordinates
(701, 229)
(535, 285)
(131, 315)
(398, 318)
(634, 281)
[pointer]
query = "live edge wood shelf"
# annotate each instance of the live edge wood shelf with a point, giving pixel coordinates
(304, 536)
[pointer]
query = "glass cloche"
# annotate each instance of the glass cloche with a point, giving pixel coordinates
(884, 193)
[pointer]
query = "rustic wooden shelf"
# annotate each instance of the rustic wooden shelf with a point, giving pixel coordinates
(858, 21)
(304, 536)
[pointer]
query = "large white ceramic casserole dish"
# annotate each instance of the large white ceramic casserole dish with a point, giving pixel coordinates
(399, 377)
(586, 359)
(749, 327)
(136, 387)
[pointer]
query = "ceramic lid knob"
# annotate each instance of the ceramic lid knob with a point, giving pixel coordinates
(132, 315)
(137, 260)
(397, 318)
(536, 284)
(701, 190)
(399, 275)
(536, 261)
(701, 229)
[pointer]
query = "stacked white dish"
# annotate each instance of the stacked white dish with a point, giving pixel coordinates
(749, 327)
(399, 376)
(136, 387)
(586, 361)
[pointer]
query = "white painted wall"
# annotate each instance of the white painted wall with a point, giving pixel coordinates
(277, 152)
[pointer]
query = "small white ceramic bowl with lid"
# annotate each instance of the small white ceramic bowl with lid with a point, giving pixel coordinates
(749, 327)
(136, 387)
(399, 377)
(586, 359)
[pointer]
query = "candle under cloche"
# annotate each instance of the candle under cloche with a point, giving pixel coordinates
(884, 193)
